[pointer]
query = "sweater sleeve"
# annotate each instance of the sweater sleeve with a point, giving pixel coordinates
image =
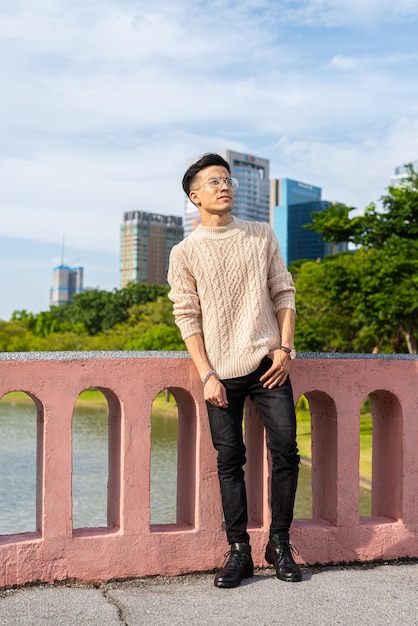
(280, 282)
(183, 294)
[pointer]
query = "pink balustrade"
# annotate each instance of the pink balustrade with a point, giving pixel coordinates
(129, 546)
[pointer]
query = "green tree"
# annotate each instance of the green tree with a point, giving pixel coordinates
(387, 302)
(398, 219)
(136, 317)
(101, 310)
(379, 304)
(90, 309)
(161, 337)
(151, 326)
(14, 336)
(325, 306)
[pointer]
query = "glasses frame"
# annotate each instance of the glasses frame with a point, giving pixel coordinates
(233, 184)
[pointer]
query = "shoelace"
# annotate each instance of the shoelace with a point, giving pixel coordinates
(292, 549)
(234, 553)
(284, 547)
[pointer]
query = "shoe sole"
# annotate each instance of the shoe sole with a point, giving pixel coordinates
(293, 579)
(222, 585)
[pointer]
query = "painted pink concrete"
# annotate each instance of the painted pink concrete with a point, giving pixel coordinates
(130, 546)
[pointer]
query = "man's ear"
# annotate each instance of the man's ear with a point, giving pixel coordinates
(194, 197)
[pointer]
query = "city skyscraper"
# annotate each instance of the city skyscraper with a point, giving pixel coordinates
(401, 173)
(66, 282)
(146, 242)
(252, 196)
(291, 206)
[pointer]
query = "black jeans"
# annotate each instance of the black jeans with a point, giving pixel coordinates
(277, 411)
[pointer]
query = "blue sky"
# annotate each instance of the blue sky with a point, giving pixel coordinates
(102, 102)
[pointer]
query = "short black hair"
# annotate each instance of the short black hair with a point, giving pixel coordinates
(205, 161)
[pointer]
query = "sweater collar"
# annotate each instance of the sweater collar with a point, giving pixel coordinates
(219, 232)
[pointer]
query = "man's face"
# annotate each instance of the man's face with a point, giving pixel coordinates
(208, 197)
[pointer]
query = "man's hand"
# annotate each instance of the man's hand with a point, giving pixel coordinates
(278, 372)
(215, 393)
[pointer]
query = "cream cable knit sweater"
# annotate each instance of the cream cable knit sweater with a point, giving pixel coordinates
(227, 282)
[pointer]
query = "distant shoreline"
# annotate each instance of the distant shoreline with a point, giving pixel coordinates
(92, 398)
(20, 397)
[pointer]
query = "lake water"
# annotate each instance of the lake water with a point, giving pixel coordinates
(18, 469)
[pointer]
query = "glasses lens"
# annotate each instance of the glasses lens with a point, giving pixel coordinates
(215, 182)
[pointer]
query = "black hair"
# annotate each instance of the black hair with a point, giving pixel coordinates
(205, 161)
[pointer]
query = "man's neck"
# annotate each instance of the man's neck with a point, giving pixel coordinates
(214, 221)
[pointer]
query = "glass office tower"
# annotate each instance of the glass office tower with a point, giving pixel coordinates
(292, 204)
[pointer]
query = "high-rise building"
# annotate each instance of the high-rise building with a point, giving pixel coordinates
(146, 242)
(66, 282)
(401, 173)
(291, 206)
(251, 198)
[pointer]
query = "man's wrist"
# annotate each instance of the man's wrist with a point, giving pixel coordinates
(291, 352)
(208, 375)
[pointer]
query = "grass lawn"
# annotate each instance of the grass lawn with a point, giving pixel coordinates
(304, 440)
(91, 395)
(366, 446)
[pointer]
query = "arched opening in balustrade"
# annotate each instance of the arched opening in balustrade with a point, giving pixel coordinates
(173, 459)
(386, 455)
(96, 443)
(21, 441)
(365, 467)
(324, 456)
(303, 503)
(164, 451)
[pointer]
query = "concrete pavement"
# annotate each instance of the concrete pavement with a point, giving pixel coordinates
(360, 595)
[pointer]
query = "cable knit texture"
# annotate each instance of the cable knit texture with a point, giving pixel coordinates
(226, 283)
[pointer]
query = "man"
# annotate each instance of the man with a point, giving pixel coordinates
(234, 302)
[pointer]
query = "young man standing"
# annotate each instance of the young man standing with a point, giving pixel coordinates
(234, 302)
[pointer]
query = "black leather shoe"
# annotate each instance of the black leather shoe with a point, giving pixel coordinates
(279, 554)
(239, 565)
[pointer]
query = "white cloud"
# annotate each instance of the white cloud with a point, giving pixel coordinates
(353, 174)
(102, 102)
(84, 197)
(333, 13)
(346, 63)
(385, 63)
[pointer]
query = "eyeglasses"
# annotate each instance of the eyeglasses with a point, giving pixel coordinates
(233, 183)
